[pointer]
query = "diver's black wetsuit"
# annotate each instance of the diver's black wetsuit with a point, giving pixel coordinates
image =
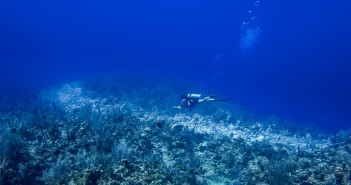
(189, 102)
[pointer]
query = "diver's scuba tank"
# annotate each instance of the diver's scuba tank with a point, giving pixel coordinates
(196, 96)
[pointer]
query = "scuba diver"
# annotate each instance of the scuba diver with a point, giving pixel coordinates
(191, 100)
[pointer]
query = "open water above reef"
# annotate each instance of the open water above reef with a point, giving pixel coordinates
(125, 131)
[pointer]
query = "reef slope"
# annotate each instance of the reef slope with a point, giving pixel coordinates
(117, 132)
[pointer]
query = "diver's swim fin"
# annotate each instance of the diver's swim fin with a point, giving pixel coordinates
(224, 99)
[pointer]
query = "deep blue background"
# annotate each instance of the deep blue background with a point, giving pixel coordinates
(299, 70)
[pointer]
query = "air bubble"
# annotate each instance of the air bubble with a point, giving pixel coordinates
(250, 30)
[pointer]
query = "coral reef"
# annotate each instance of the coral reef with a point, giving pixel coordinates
(126, 132)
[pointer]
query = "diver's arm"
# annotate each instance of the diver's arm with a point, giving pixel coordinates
(208, 98)
(211, 98)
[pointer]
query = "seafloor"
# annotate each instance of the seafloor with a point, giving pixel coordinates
(125, 131)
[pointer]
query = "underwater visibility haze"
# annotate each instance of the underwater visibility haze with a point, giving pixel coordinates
(88, 91)
(289, 59)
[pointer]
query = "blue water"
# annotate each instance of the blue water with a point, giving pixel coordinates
(290, 59)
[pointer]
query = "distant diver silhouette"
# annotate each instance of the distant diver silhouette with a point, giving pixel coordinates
(192, 100)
